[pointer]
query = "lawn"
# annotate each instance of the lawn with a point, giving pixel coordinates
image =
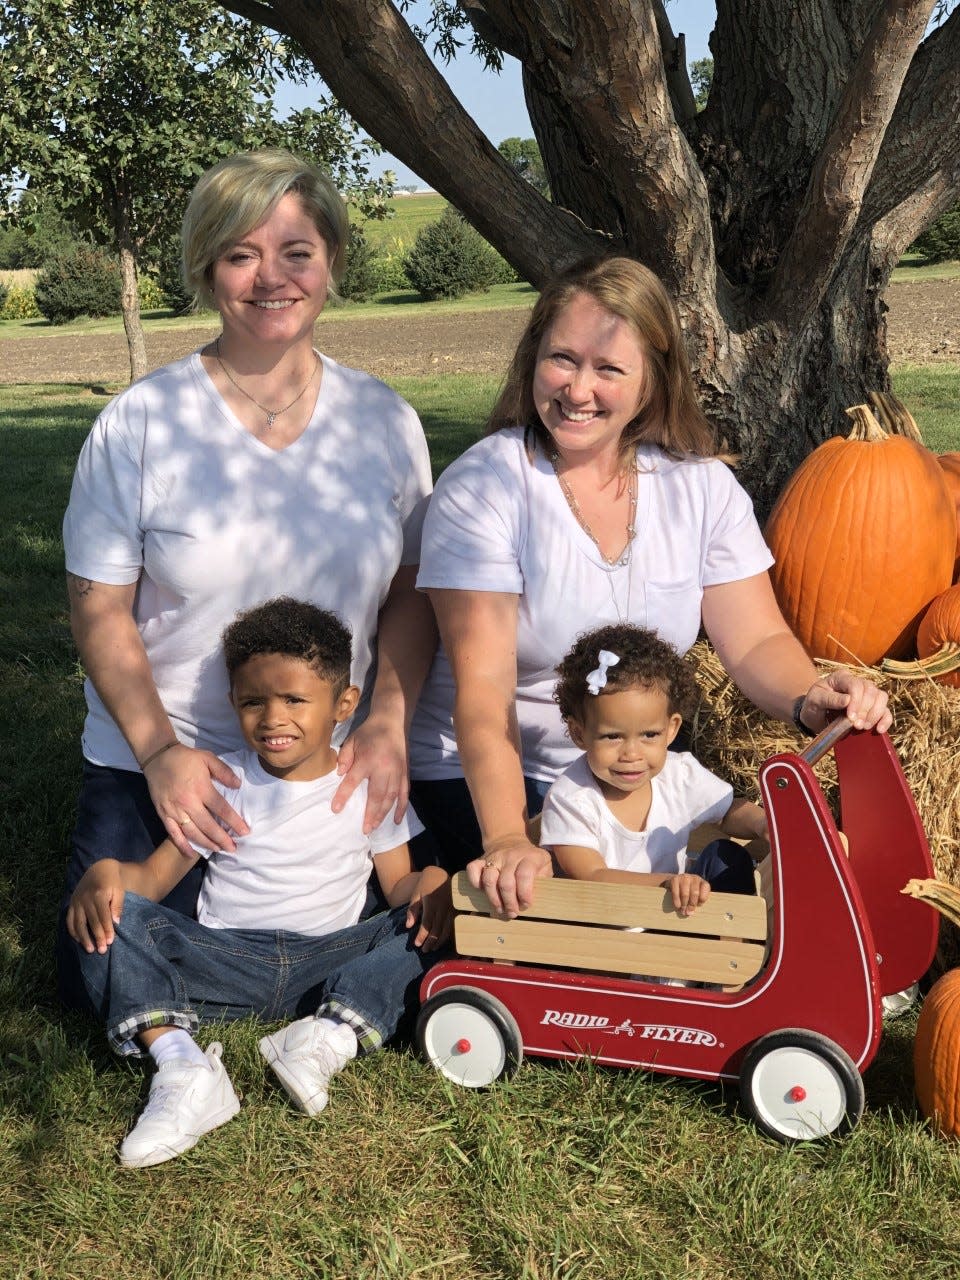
(565, 1173)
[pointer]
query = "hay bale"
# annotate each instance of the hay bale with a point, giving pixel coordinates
(732, 738)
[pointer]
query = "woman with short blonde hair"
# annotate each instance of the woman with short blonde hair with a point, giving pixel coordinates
(254, 467)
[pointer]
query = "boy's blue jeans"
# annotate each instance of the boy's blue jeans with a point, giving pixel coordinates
(164, 969)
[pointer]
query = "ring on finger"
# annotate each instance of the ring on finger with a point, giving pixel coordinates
(489, 862)
(185, 820)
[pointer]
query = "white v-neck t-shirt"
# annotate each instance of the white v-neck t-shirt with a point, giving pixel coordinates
(173, 493)
(499, 522)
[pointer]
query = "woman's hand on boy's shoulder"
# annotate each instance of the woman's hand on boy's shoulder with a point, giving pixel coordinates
(431, 908)
(96, 905)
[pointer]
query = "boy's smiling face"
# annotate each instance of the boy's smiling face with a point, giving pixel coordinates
(287, 713)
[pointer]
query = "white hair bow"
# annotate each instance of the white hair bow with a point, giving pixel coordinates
(596, 680)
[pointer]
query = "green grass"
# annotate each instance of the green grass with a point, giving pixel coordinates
(565, 1173)
(912, 268)
(408, 215)
(387, 305)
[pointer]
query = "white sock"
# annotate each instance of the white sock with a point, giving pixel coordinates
(177, 1045)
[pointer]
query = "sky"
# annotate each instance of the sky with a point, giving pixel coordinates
(496, 101)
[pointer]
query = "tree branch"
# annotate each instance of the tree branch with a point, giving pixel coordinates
(840, 177)
(674, 49)
(917, 174)
(380, 73)
(264, 15)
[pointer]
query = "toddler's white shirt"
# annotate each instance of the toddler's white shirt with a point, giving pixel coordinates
(685, 795)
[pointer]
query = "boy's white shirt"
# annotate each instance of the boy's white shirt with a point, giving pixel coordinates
(684, 795)
(303, 867)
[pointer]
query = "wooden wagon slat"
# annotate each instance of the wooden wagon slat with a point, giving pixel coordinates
(629, 906)
(696, 959)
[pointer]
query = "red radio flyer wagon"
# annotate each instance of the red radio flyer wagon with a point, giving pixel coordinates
(793, 981)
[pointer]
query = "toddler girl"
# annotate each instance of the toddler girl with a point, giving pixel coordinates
(625, 809)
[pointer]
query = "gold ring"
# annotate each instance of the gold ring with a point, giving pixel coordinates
(184, 820)
(489, 862)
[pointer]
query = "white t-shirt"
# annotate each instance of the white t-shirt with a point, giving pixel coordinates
(684, 796)
(172, 492)
(302, 867)
(498, 522)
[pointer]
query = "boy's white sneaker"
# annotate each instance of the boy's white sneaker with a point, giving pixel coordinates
(186, 1101)
(305, 1055)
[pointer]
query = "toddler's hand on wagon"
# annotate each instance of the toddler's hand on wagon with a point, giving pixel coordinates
(688, 892)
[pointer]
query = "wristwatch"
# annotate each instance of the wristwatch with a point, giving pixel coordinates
(797, 708)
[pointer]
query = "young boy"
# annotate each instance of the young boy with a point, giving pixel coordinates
(625, 810)
(278, 932)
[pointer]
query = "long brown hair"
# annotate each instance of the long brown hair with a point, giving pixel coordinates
(670, 415)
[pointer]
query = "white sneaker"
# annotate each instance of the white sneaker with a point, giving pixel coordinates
(186, 1101)
(305, 1055)
(899, 1002)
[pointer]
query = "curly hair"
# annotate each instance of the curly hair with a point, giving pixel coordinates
(645, 661)
(296, 630)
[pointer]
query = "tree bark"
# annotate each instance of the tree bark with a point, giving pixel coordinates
(130, 308)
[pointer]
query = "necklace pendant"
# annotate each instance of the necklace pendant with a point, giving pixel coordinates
(271, 418)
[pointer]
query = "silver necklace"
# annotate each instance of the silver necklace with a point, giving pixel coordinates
(272, 414)
(622, 557)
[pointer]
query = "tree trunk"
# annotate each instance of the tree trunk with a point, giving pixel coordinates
(130, 307)
(830, 140)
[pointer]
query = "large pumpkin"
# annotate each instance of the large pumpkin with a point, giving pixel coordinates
(936, 1055)
(936, 1047)
(939, 626)
(950, 466)
(864, 536)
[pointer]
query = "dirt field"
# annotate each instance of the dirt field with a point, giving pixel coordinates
(924, 327)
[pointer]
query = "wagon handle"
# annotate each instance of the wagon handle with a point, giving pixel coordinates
(826, 740)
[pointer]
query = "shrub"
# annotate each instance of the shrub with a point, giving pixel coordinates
(941, 241)
(83, 282)
(359, 281)
(152, 296)
(15, 249)
(449, 258)
(389, 265)
(3, 296)
(20, 304)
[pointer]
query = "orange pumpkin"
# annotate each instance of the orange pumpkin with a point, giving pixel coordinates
(864, 536)
(936, 1055)
(936, 1046)
(939, 626)
(950, 466)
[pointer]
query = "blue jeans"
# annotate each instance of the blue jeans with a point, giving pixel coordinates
(164, 969)
(115, 819)
(452, 837)
(726, 866)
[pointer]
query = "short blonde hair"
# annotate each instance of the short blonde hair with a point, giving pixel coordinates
(670, 415)
(237, 194)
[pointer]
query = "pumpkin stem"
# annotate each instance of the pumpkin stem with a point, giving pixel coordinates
(944, 897)
(894, 415)
(892, 418)
(865, 425)
(946, 659)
